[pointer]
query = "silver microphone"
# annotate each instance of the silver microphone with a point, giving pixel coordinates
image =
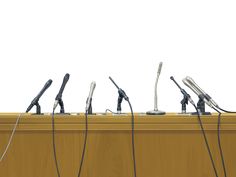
(155, 91)
(188, 81)
(159, 68)
(205, 94)
(156, 111)
(89, 99)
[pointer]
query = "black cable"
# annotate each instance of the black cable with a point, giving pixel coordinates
(219, 142)
(225, 110)
(85, 142)
(54, 144)
(206, 141)
(133, 144)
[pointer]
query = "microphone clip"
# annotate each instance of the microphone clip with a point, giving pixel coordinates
(122, 95)
(89, 109)
(201, 106)
(184, 103)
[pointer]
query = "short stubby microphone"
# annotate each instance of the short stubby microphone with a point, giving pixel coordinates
(122, 95)
(36, 99)
(58, 99)
(88, 108)
(156, 111)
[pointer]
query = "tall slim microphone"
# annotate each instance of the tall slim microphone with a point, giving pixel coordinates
(88, 108)
(189, 79)
(156, 111)
(58, 99)
(183, 91)
(36, 99)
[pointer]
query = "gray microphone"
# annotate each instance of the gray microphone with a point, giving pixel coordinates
(89, 99)
(156, 111)
(188, 81)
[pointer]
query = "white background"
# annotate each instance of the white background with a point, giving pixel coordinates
(123, 39)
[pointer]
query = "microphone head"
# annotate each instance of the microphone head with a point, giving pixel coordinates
(185, 81)
(48, 83)
(189, 79)
(89, 99)
(92, 88)
(159, 68)
(66, 77)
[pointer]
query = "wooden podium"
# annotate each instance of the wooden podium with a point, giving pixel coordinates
(171, 145)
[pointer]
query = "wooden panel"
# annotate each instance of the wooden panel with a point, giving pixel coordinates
(167, 146)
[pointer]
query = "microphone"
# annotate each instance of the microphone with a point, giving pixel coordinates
(188, 81)
(122, 95)
(58, 99)
(183, 91)
(89, 99)
(36, 99)
(156, 111)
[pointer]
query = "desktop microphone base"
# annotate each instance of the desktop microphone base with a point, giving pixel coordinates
(155, 112)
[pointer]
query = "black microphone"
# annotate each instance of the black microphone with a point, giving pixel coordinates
(186, 98)
(122, 95)
(36, 99)
(58, 99)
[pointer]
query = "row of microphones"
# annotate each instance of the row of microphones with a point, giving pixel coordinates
(204, 98)
(58, 99)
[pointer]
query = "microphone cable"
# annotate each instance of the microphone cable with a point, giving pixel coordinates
(133, 143)
(54, 144)
(225, 110)
(11, 137)
(206, 141)
(219, 141)
(85, 143)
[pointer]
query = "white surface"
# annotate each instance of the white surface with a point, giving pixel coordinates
(123, 39)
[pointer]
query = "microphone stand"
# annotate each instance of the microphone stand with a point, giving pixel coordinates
(186, 96)
(201, 95)
(201, 106)
(184, 103)
(90, 109)
(38, 108)
(156, 111)
(122, 95)
(61, 104)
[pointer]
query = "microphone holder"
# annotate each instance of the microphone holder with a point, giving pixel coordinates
(38, 108)
(61, 104)
(184, 103)
(201, 106)
(90, 109)
(156, 111)
(120, 99)
(122, 95)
